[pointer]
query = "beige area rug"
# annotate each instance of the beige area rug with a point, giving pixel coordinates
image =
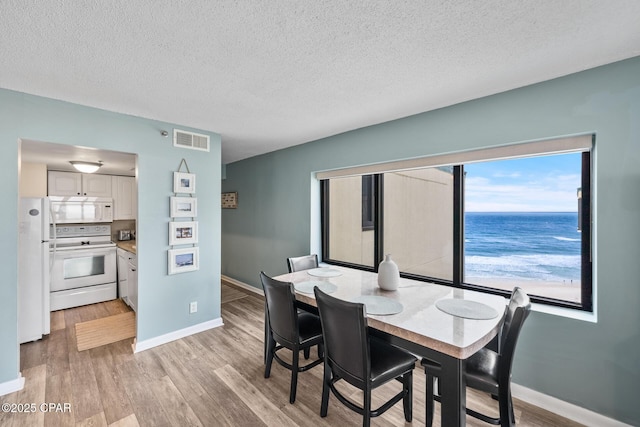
(107, 330)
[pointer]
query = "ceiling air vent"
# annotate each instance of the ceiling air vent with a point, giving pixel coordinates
(194, 141)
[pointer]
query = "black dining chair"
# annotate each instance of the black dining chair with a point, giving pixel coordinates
(288, 328)
(300, 263)
(306, 262)
(488, 370)
(363, 361)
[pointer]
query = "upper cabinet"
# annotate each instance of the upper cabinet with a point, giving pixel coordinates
(79, 184)
(124, 197)
(121, 188)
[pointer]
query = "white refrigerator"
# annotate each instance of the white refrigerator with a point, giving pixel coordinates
(33, 269)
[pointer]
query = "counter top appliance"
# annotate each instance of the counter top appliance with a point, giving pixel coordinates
(124, 235)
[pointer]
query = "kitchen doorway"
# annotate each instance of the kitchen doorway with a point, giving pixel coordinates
(79, 297)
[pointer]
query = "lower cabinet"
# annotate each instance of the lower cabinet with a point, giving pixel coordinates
(128, 278)
(132, 282)
(123, 271)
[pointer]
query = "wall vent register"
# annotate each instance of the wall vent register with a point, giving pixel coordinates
(190, 140)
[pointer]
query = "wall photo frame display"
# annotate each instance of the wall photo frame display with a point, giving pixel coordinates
(184, 207)
(183, 260)
(184, 182)
(183, 232)
(229, 200)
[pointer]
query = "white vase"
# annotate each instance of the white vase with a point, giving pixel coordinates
(388, 274)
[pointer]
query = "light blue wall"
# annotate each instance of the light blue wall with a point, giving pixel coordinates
(163, 300)
(593, 365)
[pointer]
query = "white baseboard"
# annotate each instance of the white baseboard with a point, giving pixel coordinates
(12, 386)
(242, 285)
(562, 408)
(139, 346)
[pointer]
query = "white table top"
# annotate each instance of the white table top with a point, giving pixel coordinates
(420, 320)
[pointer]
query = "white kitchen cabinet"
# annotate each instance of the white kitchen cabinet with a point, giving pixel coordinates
(123, 272)
(64, 183)
(78, 184)
(125, 197)
(132, 282)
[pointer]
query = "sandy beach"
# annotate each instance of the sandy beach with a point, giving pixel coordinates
(568, 291)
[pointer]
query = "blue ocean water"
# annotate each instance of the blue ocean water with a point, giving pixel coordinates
(528, 245)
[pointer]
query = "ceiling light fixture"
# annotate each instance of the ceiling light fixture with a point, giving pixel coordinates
(86, 167)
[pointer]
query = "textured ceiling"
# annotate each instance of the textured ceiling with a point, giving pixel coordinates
(271, 74)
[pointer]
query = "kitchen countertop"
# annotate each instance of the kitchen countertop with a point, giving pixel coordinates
(127, 245)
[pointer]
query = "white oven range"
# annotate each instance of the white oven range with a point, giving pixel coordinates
(84, 265)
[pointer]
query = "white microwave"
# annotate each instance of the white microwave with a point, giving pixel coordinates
(69, 210)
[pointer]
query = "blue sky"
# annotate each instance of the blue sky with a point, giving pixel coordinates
(534, 184)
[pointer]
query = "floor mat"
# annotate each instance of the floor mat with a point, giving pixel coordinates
(107, 330)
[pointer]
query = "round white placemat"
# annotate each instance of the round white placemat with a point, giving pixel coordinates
(324, 272)
(466, 308)
(378, 305)
(307, 287)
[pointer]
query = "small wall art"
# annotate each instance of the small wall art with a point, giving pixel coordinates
(184, 182)
(183, 260)
(184, 207)
(183, 233)
(229, 200)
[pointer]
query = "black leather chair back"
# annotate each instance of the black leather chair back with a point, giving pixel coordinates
(300, 263)
(517, 312)
(281, 308)
(346, 337)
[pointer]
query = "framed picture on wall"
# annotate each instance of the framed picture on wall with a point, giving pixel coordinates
(184, 182)
(183, 260)
(183, 232)
(229, 200)
(184, 207)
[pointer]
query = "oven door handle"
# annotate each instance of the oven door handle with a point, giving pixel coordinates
(77, 252)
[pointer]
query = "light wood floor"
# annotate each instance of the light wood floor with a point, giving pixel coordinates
(214, 378)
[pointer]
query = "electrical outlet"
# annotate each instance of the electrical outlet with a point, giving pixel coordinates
(193, 307)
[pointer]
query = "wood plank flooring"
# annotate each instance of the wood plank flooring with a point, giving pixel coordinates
(214, 378)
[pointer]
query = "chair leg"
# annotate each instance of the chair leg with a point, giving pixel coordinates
(506, 409)
(366, 421)
(267, 332)
(429, 400)
(307, 352)
(407, 401)
(324, 407)
(511, 413)
(294, 375)
(270, 346)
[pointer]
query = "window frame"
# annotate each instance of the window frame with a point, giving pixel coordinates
(584, 218)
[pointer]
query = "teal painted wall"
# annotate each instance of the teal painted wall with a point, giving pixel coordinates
(163, 299)
(593, 365)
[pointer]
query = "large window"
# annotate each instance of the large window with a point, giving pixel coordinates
(488, 224)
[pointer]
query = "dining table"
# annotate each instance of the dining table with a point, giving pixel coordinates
(441, 323)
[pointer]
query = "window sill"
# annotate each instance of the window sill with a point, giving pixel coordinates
(569, 313)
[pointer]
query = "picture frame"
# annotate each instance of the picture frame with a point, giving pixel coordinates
(184, 207)
(184, 182)
(183, 260)
(183, 232)
(229, 200)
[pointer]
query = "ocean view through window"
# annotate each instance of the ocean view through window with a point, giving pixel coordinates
(538, 250)
(521, 225)
(489, 224)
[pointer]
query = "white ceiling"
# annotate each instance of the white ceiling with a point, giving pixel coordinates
(271, 74)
